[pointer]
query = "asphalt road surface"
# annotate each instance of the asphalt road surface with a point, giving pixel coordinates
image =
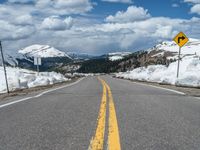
(102, 114)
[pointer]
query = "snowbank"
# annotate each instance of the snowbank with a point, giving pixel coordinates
(189, 73)
(22, 78)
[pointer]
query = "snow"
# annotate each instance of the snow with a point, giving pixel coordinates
(114, 58)
(189, 67)
(118, 55)
(21, 78)
(43, 51)
(189, 73)
(191, 48)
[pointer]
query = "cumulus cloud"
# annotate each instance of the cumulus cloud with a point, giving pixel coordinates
(119, 1)
(196, 6)
(56, 23)
(45, 22)
(107, 37)
(12, 32)
(24, 20)
(63, 7)
(33, 13)
(101, 38)
(196, 9)
(132, 13)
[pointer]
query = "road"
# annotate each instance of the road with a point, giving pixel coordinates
(102, 113)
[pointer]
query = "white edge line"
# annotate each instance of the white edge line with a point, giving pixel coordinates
(178, 92)
(39, 95)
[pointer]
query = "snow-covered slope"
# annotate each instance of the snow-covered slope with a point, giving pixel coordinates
(117, 55)
(191, 48)
(189, 65)
(21, 78)
(9, 60)
(44, 51)
(189, 73)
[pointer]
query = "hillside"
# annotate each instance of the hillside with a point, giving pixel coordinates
(43, 51)
(167, 52)
(118, 55)
(51, 57)
(110, 63)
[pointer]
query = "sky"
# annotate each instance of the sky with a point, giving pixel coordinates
(96, 26)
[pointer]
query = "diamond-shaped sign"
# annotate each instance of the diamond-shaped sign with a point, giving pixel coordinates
(181, 39)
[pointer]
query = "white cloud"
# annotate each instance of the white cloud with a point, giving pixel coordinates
(133, 29)
(56, 23)
(12, 32)
(12, 11)
(196, 6)
(119, 1)
(132, 13)
(63, 7)
(25, 16)
(196, 9)
(102, 38)
(24, 20)
(192, 1)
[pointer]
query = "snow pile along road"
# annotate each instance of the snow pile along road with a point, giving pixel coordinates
(22, 78)
(189, 73)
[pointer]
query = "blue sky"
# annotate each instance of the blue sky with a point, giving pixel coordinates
(96, 26)
(156, 7)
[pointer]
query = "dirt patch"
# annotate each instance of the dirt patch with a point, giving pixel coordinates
(192, 91)
(22, 92)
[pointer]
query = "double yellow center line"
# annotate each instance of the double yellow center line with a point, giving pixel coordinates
(97, 141)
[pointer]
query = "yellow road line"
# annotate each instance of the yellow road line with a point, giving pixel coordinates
(113, 130)
(98, 139)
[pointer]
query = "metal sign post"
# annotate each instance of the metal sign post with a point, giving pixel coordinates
(180, 39)
(179, 58)
(4, 67)
(37, 62)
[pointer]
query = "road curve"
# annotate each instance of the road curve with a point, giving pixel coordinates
(67, 119)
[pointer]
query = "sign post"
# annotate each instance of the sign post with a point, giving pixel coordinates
(180, 39)
(4, 67)
(37, 62)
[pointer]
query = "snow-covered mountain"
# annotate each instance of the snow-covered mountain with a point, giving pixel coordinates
(43, 51)
(170, 49)
(51, 57)
(118, 55)
(9, 60)
(80, 56)
(160, 65)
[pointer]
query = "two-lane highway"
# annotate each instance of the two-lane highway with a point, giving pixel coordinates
(107, 113)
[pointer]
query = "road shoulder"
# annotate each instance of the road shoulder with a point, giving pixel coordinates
(190, 91)
(32, 91)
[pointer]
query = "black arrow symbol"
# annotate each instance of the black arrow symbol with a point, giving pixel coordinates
(181, 38)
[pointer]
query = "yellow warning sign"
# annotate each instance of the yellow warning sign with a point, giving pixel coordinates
(181, 39)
